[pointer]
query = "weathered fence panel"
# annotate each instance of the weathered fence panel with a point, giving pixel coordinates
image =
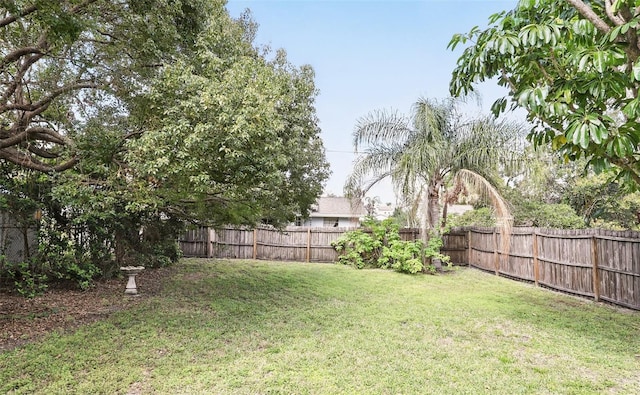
(231, 243)
(517, 261)
(454, 244)
(320, 249)
(293, 244)
(17, 243)
(193, 243)
(483, 249)
(290, 245)
(565, 261)
(618, 259)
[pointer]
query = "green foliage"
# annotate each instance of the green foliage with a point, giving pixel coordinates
(402, 256)
(160, 113)
(357, 248)
(228, 152)
(545, 215)
(422, 152)
(603, 203)
(575, 72)
(27, 280)
(482, 216)
(380, 246)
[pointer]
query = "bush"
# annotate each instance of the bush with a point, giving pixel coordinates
(543, 215)
(27, 281)
(380, 246)
(479, 217)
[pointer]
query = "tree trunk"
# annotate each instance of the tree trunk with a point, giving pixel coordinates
(444, 215)
(432, 207)
(432, 215)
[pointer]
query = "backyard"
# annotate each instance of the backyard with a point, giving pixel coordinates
(253, 327)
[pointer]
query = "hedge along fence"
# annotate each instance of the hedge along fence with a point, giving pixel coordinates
(599, 264)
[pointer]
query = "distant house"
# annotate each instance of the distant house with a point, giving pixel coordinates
(459, 208)
(334, 212)
(384, 211)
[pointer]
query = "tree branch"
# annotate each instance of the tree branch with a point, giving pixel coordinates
(41, 152)
(608, 9)
(36, 108)
(17, 54)
(587, 12)
(12, 18)
(21, 73)
(28, 161)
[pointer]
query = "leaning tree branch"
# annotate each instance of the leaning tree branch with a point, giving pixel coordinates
(41, 105)
(608, 9)
(587, 12)
(12, 18)
(41, 152)
(47, 134)
(24, 160)
(22, 71)
(17, 54)
(28, 161)
(66, 165)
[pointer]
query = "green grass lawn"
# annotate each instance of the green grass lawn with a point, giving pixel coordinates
(254, 327)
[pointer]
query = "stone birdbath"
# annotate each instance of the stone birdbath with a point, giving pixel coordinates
(132, 272)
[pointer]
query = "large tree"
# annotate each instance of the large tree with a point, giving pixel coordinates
(232, 136)
(573, 66)
(430, 150)
(161, 112)
(61, 60)
(166, 103)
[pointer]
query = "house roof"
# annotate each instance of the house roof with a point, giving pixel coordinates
(337, 207)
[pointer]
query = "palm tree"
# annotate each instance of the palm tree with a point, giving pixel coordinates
(430, 150)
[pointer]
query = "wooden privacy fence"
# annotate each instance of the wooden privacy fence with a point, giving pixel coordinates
(294, 244)
(300, 244)
(599, 264)
(594, 263)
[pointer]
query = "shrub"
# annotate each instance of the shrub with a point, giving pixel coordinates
(380, 246)
(478, 217)
(27, 280)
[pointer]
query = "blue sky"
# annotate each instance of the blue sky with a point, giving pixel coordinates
(369, 55)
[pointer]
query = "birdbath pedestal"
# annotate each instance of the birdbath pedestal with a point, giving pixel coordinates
(132, 272)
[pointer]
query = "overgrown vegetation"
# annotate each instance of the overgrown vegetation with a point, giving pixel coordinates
(123, 122)
(379, 245)
(247, 327)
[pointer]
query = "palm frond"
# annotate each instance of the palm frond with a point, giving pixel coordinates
(380, 127)
(478, 184)
(486, 146)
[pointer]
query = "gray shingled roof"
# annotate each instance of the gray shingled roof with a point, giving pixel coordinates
(337, 207)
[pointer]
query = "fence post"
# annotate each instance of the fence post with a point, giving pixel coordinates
(594, 260)
(496, 258)
(209, 243)
(308, 244)
(255, 243)
(536, 267)
(469, 247)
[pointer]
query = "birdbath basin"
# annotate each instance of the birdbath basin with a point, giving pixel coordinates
(132, 272)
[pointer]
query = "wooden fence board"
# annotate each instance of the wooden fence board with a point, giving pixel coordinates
(455, 246)
(619, 270)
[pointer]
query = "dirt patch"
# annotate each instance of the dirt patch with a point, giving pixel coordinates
(25, 320)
